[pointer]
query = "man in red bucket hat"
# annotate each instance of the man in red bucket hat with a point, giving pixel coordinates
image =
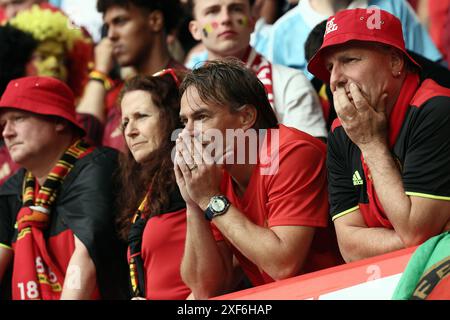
(56, 221)
(388, 151)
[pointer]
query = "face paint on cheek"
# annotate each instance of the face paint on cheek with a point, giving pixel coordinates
(48, 60)
(49, 68)
(41, 67)
(208, 28)
(243, 21)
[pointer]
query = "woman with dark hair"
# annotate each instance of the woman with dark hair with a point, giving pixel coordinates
(152, 213)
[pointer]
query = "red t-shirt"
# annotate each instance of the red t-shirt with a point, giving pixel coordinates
(2, 15)
(295, 195)
(162, 250)
(112, 135)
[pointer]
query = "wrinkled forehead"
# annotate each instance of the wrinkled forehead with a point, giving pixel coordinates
(192, 103)
(137, 100)
(352, 48)
(10, 114)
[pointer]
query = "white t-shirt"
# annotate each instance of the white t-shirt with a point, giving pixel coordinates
(296, 103)
(84, 13)
(313, 18)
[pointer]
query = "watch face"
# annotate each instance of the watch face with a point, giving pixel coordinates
(218, 205)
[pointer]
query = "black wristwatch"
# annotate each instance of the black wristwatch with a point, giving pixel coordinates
(217, 206)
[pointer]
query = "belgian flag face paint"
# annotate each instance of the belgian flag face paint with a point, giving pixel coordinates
(209, 28)
(243, 21)
(206, 30)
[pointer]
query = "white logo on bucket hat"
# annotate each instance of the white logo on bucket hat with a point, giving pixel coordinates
(331, 26)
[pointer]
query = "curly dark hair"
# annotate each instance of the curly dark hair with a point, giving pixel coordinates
(171, 9)
(16, 50)
(156, 172)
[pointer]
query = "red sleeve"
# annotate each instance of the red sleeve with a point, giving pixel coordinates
(297, 193)
(2, 16)
(112, 135)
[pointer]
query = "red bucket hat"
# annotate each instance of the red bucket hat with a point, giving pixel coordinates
(371, 24)
(41, 95)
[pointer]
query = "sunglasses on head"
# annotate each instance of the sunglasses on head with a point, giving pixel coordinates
(168, 71)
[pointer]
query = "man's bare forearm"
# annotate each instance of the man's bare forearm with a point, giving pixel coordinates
(80, 279)
(359, 243)
(389, 187)
(203, 268)
(93, 100)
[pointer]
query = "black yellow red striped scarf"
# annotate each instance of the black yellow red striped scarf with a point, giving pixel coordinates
(137, 274)
(35, 275)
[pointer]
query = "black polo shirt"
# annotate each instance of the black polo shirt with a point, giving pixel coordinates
(421, 151)
(84, 207)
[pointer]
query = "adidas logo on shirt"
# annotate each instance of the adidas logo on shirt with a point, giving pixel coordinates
(357, 181)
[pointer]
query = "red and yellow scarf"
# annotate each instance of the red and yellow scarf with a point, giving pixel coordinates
(36, 276)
